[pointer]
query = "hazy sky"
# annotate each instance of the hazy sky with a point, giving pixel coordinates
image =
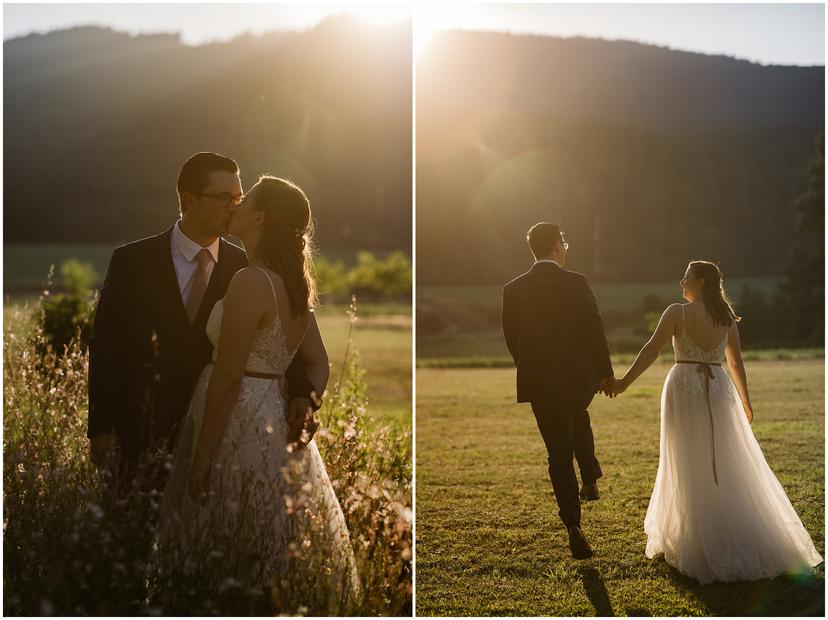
(766, 33)
(197, 23)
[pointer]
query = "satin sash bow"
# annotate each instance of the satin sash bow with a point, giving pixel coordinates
(706, 370)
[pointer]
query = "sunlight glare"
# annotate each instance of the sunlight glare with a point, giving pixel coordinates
(379, 14)
(431, 18)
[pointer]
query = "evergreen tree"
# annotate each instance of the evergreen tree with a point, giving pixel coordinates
(804, 288)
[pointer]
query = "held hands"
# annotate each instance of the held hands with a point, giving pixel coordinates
(301, 422)
(612, 387)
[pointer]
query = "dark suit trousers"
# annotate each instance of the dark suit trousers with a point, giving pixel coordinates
(566, 432)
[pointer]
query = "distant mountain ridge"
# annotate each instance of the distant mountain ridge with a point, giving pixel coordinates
(98, 123)
(622, 82)
(648, 156)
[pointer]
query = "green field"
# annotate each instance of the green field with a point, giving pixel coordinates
(382, 333)
(25, 266)
(464, 321)
(384, 344)
(489, 541)
(611, 297)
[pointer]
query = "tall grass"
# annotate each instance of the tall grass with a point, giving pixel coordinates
(76, 543)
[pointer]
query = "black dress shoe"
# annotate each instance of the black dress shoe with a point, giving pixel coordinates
(589, 491)
(578, 544)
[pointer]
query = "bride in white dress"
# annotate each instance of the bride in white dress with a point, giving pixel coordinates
(240, 486)
(717, 511)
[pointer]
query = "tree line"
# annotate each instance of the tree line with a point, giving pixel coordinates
(98, 123)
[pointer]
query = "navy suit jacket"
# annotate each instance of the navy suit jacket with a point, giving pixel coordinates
(555, 334)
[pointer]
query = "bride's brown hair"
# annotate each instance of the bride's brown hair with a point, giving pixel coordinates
(286, 242)
(716, 302)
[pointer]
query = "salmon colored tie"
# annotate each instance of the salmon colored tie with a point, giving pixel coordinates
(199, 284)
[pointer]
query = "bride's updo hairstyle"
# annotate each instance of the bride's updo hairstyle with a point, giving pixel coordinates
(718, 304)
(285, 245)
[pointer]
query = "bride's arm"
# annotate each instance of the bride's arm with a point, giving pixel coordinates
(243, 310)
(650, 351)
(733, 351)
(314, 357)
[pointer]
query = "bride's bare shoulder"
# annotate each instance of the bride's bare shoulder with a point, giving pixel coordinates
(673, 311)
(247, 277)
(248, 284)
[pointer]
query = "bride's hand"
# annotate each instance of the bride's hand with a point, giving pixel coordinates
(301, 436)
(619, 386)
(605, 386)
(309, 429)
(301, 422)
(748, 411)
(197, 478)
(298, 410)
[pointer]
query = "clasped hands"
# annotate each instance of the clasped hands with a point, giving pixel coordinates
(301, 422)
(301, 427)
(612, 387)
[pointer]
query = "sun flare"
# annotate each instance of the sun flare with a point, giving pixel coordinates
(379, 14)
(431, 18)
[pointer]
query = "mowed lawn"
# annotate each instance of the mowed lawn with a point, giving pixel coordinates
(488, 539)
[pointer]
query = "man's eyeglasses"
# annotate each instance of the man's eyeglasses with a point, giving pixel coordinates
(224, 199)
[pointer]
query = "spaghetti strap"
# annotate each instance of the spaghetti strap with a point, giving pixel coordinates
(270, 282)
(682, 319)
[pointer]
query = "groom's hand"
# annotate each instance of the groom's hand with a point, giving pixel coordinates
(607, 386)
(297, 411)
(301, 421)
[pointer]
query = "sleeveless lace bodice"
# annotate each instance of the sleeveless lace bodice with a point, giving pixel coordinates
(269, 352)
(685, 349)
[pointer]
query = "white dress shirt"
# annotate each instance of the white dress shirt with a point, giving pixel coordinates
(184, 252)
(547, 260)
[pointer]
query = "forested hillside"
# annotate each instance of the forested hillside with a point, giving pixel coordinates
(647, 156)
(98, 123)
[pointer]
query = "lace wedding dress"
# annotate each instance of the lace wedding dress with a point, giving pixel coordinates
(717, 512)
(271, 512)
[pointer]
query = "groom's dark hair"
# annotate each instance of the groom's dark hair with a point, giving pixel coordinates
(542, 238)
(195, 173)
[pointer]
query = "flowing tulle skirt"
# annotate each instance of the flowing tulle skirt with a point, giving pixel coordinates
(717, 511)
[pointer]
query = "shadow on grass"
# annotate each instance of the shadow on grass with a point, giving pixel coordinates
(794, 594)
(596, 591)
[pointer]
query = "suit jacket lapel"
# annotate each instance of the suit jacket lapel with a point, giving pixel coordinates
(170, 292)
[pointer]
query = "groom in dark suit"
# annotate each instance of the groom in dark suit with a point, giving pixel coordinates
(149, 343)
(556, 337)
